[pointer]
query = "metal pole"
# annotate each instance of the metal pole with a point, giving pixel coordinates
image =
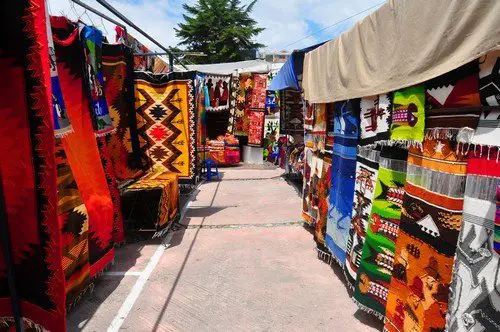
(98, 13)
(7, 253)
(122, 17)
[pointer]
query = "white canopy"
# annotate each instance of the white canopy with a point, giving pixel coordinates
(255, 66)
(403, 43)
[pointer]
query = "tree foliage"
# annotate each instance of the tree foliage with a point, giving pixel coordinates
(222, 29)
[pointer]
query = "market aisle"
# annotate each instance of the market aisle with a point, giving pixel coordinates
(243, 262)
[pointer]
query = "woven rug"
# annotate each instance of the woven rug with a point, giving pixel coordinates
(367, 163)
(258, 98)
(219, 91)
(233, 102)
(94, 79)
(256, 127)
(123, 145)
(28, 172)
(488, 128)
(312, 167)
(323, 193)
(489, 79)
(475, 297)
(81, 146)
(430, 223)
(240, 124)
(291, 113)
(408, 116)
(374, 273)
(346, 118)
(375, 120)
(167, 108)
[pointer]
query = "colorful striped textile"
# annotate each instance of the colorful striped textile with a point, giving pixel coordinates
(367, 163)
(374, 273)
(489, 79)
(375, 119)
(408, 116)
(430, 224)
(475, 297)
(346, 125)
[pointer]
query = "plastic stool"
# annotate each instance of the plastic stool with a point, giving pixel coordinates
(208, 165)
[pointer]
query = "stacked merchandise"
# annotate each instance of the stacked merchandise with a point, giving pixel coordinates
(225, 150)
(412, 213)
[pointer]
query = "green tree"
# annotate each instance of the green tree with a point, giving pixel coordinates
(222, 29)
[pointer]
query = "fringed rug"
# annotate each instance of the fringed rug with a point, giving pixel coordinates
(430, 223)
(256, 127)
(475, 296)
(375, 120)
(408, 116)
(367, 163)
(374, 273)
(28, 172)
(258, 98)
(346, 126)
(81, 146)
(166, 105)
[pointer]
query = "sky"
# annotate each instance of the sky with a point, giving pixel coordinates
(286, 22)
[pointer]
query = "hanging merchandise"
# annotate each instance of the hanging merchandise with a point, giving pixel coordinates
(430, 223)
(218, 87)
(374, 273)
(81, 145)
(124, 146)
(375, 120)
(309, 210)
(256, 127)
(291, 113)
(367, 163)
(318, 133)
(258, 98)
(346, 127)
(323, 184)
(28, 174)
(272, 102)
(474, 295)
(233, 102)
(489, 79)
(408, 116)
(488, 129)
(165, 106)
(240, 127)
(201, 117)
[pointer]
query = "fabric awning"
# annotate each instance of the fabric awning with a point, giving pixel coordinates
(403, 43)
(249, 66)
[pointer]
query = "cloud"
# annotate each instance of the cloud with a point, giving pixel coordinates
(287, 22)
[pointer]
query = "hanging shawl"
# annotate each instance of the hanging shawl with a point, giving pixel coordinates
(346, 118)
(28, 172)
(375, 120)
(374, 273)
(489, 78)
(425, 249)
(94, 79)
(452, 104)
(81, 146)
(408, 116)
(235, 91)
(474, 291)
(366, 177)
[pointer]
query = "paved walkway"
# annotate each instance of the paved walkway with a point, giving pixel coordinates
(242, 262)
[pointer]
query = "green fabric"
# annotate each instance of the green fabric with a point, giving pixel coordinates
(408, 116)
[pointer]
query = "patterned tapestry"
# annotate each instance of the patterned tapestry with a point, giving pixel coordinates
(271, 126)
(408, 116)
(81, 146)
(488, 128)
(489, 79)
(374, 273)
(312, 172)
(219, 91)
(123, 145)
(375, 119)
(28, 169)
(233, 100)
(291, 114)
(475, 296)
(246, 85)
(364, 191)
(258, 98)
(346, 126)
(323, 193)
(166, 107)
(431, 217)
(256, 127)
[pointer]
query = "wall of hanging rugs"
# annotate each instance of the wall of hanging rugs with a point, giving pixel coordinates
(405, 197)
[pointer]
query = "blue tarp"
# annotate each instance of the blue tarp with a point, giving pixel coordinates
(287, 77)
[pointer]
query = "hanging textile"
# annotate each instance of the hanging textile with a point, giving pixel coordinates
(496, 240)
(258, 98)
(291, 114)
(123, 145)
(218, 87)
(28, 170)
(94, 79)
(201, 118)
(488, 128)
(240, 127)
(271, 126)
(375, 119)
(367, 163)
(430, 223)
(166, 106)
(323, 193)
(330, 127)
(307, 110)
(408, 116)
(489, 80)
(81, 145)
(233, 102)
(272, 103)
(346, 127)
(318, 133)
(474, 290)
(256, 127)
(374, 273)
(312, 167)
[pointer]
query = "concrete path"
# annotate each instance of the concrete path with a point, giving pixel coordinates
(242, 262)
